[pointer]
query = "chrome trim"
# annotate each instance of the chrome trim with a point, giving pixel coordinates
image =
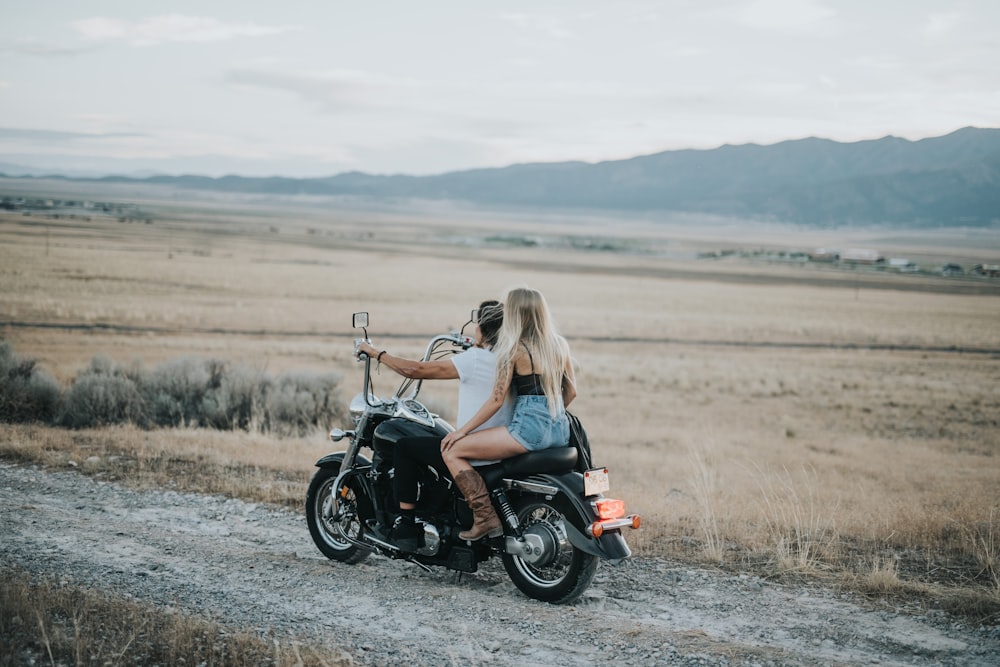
(339, 434)
(530, 549)
(388, 546)
(532, 487)
(611, 524)
(432, 540)
(414, 410)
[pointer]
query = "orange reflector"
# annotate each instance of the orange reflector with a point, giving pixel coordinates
(344, 492)
(636, 521)
(597, 529)
(609, 508)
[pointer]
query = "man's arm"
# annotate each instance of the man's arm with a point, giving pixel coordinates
(421, 370)
(410, 368)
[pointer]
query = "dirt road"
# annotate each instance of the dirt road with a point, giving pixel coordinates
(255, 567)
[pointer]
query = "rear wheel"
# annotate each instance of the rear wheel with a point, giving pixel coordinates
(328, 530)
(561, 573)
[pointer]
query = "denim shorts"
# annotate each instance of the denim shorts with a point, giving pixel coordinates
(535, 428)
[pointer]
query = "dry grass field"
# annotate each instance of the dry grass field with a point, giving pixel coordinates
(791, 418)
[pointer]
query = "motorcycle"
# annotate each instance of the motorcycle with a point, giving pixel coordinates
(557, 523)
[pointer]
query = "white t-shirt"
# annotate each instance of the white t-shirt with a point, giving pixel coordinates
(477, 368)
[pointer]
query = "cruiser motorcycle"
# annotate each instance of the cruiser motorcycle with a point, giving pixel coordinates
(557, 523)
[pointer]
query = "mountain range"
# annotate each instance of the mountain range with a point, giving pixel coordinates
(952, 180)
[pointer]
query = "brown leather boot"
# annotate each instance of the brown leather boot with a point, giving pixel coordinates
(484, 518)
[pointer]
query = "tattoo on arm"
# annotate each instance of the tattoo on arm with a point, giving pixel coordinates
(501, 386)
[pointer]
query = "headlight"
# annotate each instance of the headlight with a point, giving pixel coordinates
(358, 406)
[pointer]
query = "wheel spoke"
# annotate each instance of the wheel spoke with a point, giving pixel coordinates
(333, 532)
(548, 520)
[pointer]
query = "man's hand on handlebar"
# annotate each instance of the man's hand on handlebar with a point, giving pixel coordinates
(364, 347)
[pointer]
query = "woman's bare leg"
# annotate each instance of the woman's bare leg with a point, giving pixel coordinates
(490, 443)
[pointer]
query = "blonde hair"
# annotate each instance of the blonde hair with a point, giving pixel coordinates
(526, 319)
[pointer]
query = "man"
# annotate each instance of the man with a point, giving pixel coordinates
(475, 369)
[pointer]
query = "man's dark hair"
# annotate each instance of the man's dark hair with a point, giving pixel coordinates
(490, 321)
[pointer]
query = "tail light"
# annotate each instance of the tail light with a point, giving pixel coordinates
(611, 515)
(610, 508)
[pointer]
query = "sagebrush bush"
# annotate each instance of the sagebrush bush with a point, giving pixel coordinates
(238, 403)
(27, 393)
(106, 393)
(184, 392)
(299, 403)
(176, 390)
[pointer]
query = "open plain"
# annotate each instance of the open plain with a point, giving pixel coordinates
(763, 414)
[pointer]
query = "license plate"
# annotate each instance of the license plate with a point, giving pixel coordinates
(595, 481)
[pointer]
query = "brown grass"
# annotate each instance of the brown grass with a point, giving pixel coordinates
(238, 465)
(797, 421)
(48, 622)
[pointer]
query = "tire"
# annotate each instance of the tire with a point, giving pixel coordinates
(567, 573)
(328, 533)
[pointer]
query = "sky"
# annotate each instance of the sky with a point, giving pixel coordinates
(318, 88)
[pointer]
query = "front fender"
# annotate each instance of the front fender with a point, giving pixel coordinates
(611, 545)
(336, 458)
(366, 508)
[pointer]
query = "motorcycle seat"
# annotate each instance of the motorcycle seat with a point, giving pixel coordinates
(554, 459)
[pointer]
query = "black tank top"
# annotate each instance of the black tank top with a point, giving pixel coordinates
(528, 385)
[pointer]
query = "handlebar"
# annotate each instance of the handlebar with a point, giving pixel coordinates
(357, 344)
(457, 339)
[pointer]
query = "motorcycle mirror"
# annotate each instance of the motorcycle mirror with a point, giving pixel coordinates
(360, 320)
(473, 318)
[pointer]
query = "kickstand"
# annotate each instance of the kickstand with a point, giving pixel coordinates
(418, 563)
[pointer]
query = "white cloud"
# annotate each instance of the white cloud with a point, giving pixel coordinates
(33, 47)
(549, 26)
(941, 23)
(333, 91)
(170, 28)
(783, 14)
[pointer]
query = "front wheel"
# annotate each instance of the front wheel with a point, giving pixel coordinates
(328, 530)
(562, 572)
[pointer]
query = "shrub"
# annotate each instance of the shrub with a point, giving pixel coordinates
(179, 392)
(106, 393)
(27, 393)
(176, 390)
(238, 402)
(300, 403)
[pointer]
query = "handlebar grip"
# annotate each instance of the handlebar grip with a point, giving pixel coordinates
(357, 343)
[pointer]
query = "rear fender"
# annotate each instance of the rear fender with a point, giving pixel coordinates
(569, 485)
(610, 546)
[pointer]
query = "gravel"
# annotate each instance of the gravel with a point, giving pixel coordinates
(255, 567)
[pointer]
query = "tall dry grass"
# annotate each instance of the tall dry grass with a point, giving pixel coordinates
(53, 623)
(240, 465)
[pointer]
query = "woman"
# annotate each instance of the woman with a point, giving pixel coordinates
(534, 360)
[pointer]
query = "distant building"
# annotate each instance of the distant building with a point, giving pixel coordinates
(824, 255)
(989, 270)
(861, 256)
(902, 265)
